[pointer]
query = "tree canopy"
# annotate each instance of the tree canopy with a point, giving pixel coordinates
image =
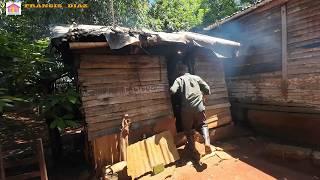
(218, 9)
(176, 15)
(28, 71)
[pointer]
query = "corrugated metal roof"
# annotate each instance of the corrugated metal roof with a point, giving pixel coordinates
(119, 37)
(238, 14)
(146, 154)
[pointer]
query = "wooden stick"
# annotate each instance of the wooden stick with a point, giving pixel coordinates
(2, 170)
(42, 162)
(124, 137)
(87, 45)
(284, 84)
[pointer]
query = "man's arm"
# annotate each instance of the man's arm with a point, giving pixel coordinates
(176, 85)
(204, 87)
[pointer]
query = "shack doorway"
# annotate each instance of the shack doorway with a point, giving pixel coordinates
(209, 67)
(172, 62)
(184, 56)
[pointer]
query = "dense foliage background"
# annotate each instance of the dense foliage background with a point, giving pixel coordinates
(30, 75)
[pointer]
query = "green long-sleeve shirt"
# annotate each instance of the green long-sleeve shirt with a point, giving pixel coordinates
(191, 88)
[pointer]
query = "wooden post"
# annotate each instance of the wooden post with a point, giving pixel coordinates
(42, 162)
(124, 137)
(284, 82)
(2, 170)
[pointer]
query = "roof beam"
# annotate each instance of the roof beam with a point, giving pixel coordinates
(87, 45)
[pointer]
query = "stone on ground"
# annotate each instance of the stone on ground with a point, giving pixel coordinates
(223, 155)
(207, 156)
(168, 172)
(226, 147)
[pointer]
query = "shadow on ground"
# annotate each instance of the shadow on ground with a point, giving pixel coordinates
(251, 150)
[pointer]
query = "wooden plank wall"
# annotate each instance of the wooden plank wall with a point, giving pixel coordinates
(112, 86)
(255, 76)
(255, 80)
(258, 34)
(303, 18)
(106, 149)
(210, 69)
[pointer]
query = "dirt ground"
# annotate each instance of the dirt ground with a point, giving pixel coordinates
(20, 128)
(244, 158)
(17, 130)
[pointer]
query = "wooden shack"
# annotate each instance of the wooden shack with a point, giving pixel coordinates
(120, 71)
(274, 83)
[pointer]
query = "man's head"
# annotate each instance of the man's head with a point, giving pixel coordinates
(182, 68)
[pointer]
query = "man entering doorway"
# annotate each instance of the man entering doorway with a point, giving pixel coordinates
(192, 88)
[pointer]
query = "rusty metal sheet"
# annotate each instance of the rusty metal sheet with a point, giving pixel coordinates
(120, 36)
(146, 154)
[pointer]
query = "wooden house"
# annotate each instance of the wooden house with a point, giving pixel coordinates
(274, 83)
(120, 71)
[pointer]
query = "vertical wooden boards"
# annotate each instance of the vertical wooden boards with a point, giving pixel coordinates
(210, 69)
(106, 150)
(114, 85)
(284, 84)
(151, 152)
